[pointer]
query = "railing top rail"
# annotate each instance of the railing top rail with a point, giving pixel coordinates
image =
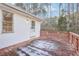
(74, 34)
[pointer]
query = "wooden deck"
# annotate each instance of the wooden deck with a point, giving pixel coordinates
(67, 44)
(68, 38)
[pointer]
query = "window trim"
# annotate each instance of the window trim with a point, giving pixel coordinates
(7, 31)
(33, 25)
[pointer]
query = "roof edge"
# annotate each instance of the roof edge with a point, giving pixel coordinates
(21, 10)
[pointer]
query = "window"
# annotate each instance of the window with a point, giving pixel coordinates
(33, 25)
(7, 22)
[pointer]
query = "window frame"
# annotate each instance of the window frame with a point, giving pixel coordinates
(8, 28)
(33, 24)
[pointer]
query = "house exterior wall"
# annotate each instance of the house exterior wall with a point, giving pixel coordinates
(21, 31)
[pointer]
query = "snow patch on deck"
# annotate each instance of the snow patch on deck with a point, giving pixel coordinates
(38, 48)
(45, 44)
(32, 52)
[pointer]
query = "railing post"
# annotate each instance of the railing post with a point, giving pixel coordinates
(70, 37)
(77, 44)
(74, 41)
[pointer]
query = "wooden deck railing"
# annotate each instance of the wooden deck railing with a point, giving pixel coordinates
(67, 37)
(59, 36)
(74, 40)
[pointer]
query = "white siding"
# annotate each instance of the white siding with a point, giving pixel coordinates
(22, 31)
(0, 22)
